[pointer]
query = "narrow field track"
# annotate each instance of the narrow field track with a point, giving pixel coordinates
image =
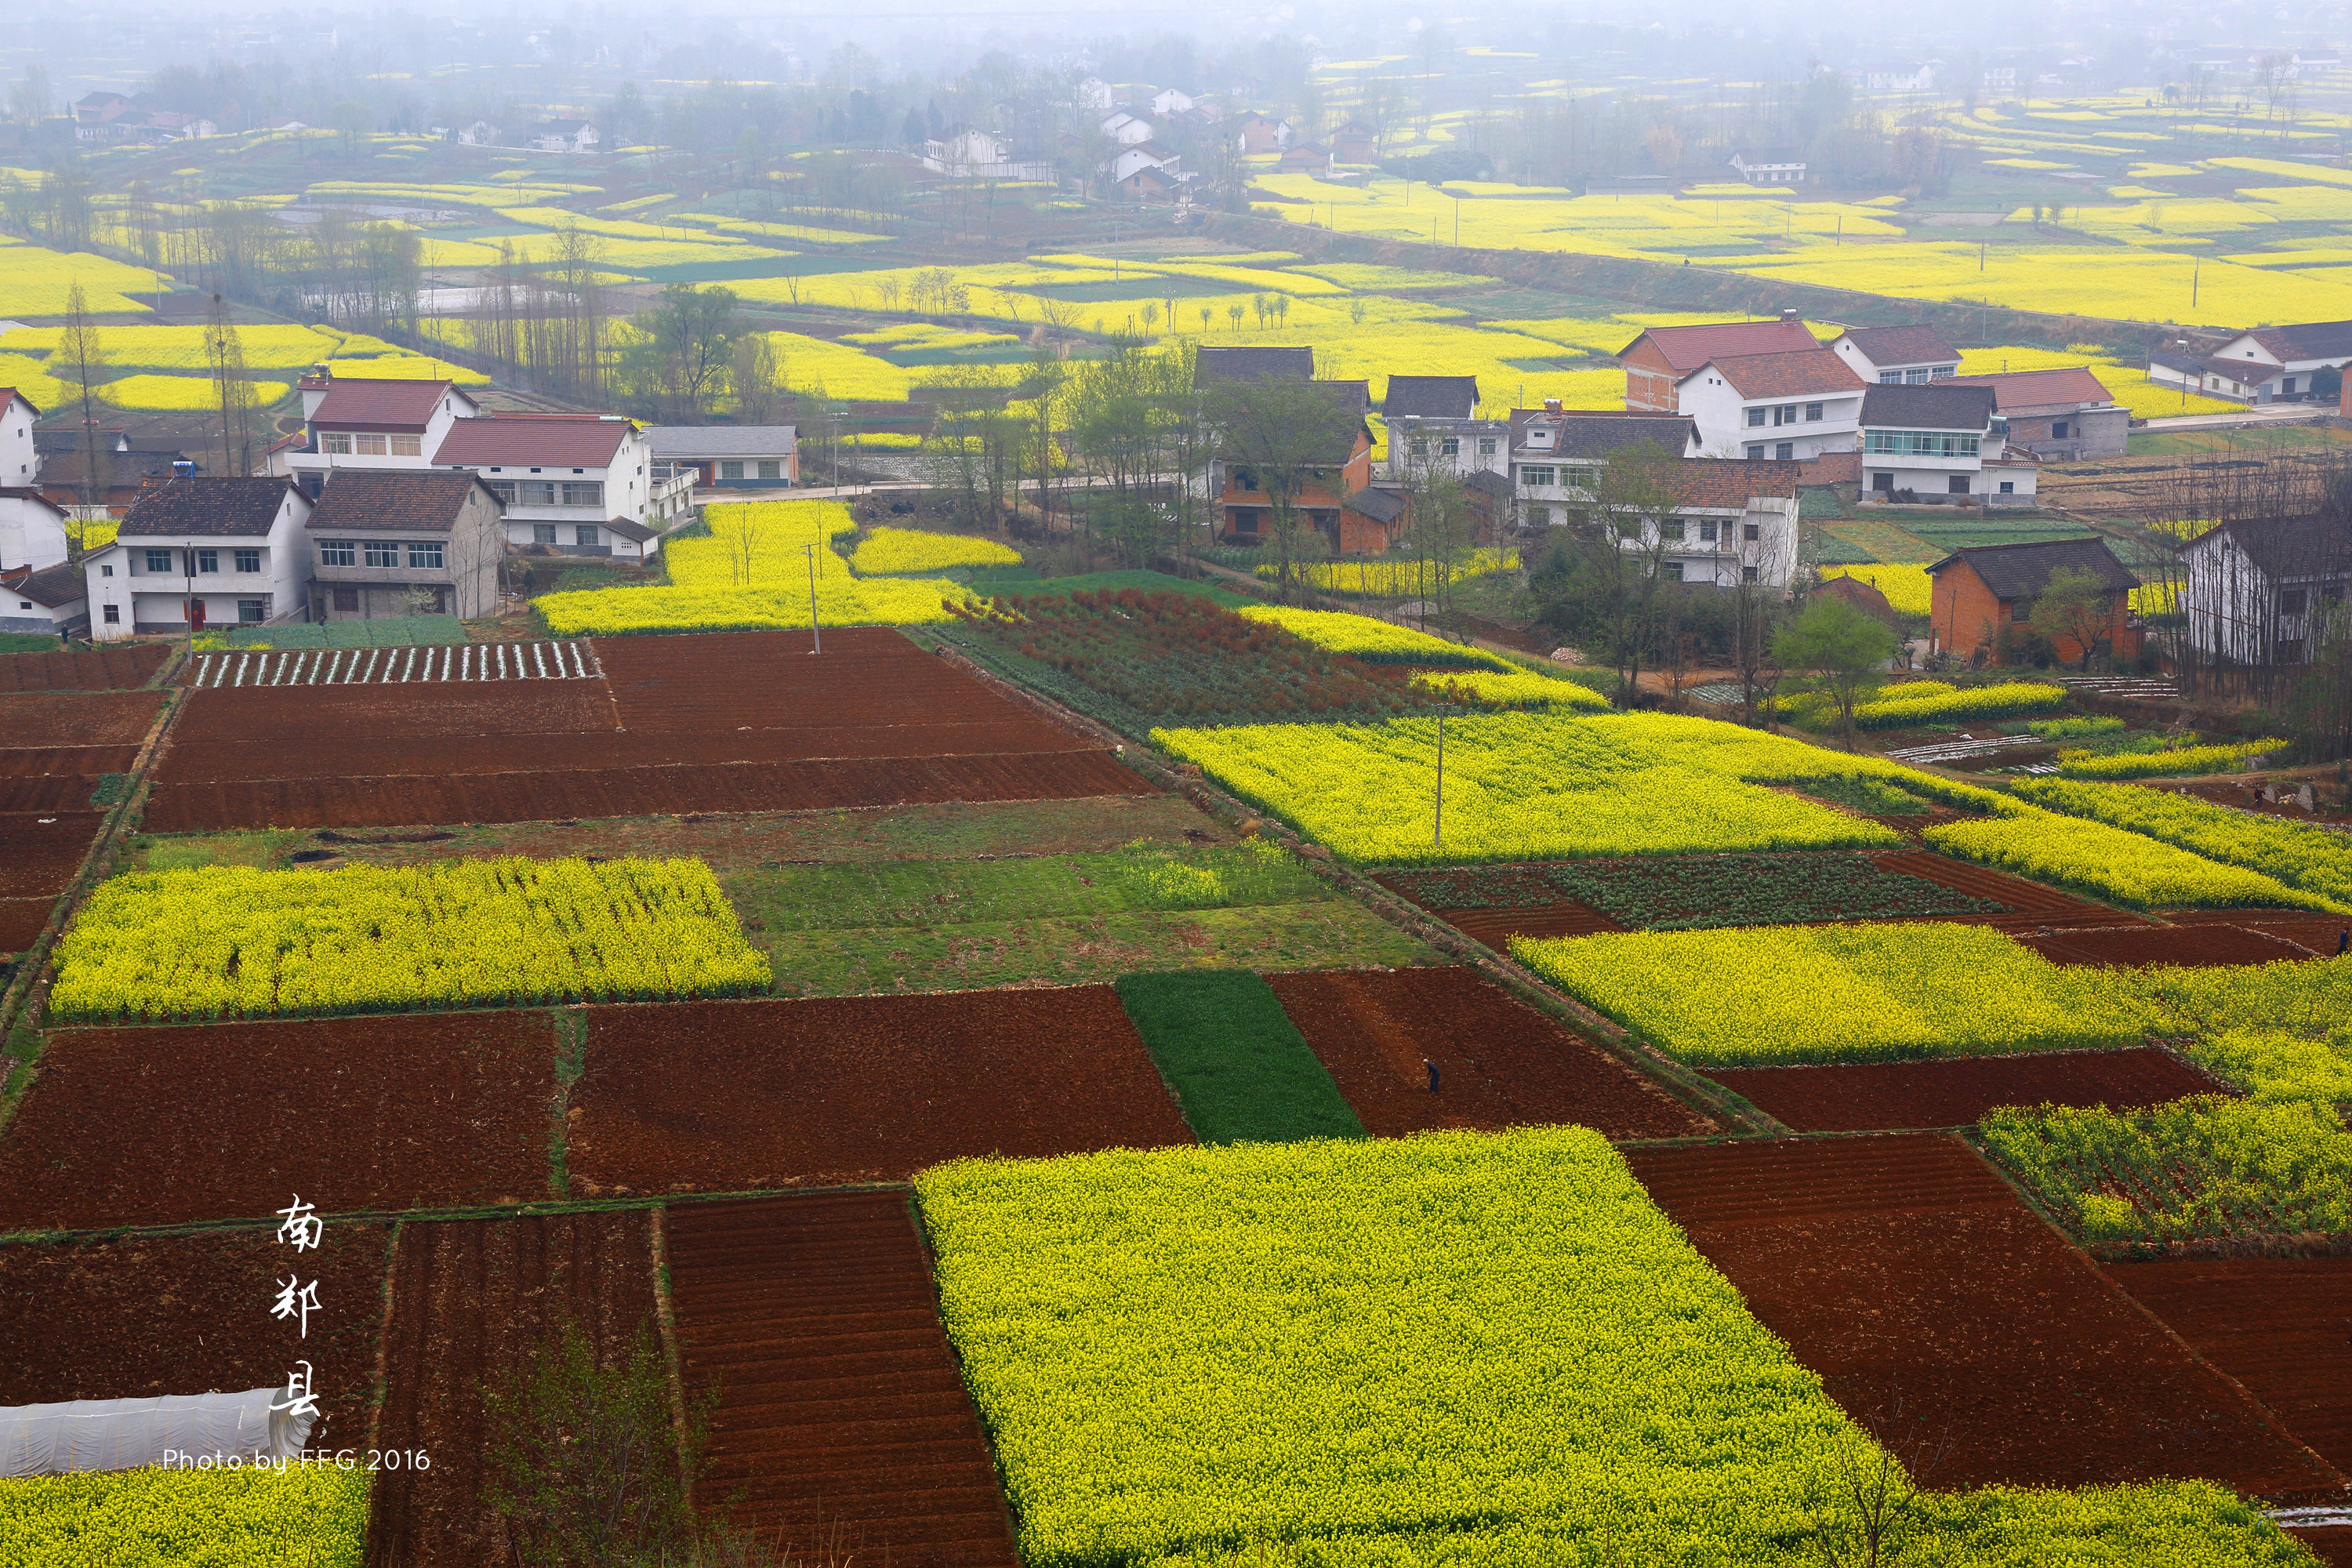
(843, 1424)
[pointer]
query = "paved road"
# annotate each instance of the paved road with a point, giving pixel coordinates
(2276, 414)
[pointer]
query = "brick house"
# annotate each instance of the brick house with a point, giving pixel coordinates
(1327, 499)
(1979, 589)
(388, 543)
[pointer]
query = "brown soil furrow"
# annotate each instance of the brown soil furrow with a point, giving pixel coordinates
(725, 1096)
(2132, 946)
(1500, 1062)
(67, 762)
(1868, 1096)
(166, 1125)
(44, 719)
(2046, 906)
(474, 1302)
(85, 670)
(1903, 1271)
(800, 1475)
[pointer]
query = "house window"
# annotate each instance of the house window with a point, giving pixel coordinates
(207, 561)
(2290, 650)
(1755, 531)
(1539, 476)
(1418, 446)
(2058, 429)
(535, 492)
(1890, 378)
(159, 561)
(369, 445)
(1812, 412)
(1756, 450)
(1754, 419)
(347, 599)
(248, 560)
(335, 441)
(253, 611)
(1916, 378)
(1786, 451)
(383, 553)
(588, 533)
(338, 552)
(770, 469)
(113, 616)
(730, 470)
(1449, 446)
(2008, 488)
(1957, 484)
(1881, 484)
(424, 557)
(1485, 445)
(588, 493)
(1580, 477)
(2020, 611)
(1672, 571)
(408, 445)
(1671, 529)
(2292, 601)
(503, 489)
(106, 571)
(1749, 574)
(1706, 531)
(543, 533)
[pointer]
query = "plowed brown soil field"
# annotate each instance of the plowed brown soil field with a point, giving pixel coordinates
(38, 719)
(472, 1303)
(143, 1316)
(2282, 1326)
(159, 1126)
(724, 1097)
(2319, 933)
(21, 921)
(1500, 1062)
(1892, 1096)
(405, 712)
(87, 762)
(842, 1424)
(88, 669)
(1902, 1269)
(39, 857)
(2132, 946)
(2032, 906)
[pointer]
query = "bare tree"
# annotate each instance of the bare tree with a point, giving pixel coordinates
(225, 357)
(1278, 437)
(81, 364)
(1864, 1493)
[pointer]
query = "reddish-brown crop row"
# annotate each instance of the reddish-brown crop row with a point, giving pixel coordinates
(89, 670)
(1871, 1097)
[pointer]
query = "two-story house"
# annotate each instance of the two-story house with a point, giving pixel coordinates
(1898, 356)
(577, 484)
(564, 136)
(203, 553)
(1557, 456)
(2255, 592)
(1939, 441)
(1433, 427)
(393, 542)
(1979, 589)
(2269, 365)
(1661, 359)
(1787, 407)
(32, 529)
(1252, 131)
(1719, 523)
(1333, 494)
(2056, 414)
(359, 423)
(20, 462)
(1771, 166)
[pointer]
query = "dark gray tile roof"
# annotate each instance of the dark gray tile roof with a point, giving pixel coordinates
(403, 499)
(1253, 364)
(720, 440)
(1903, 345)
(1598, 434)
(1929, 406)
(1431, 397)
(2308, 339)
(53, 586)
(1378, 505)
(2024, 571)
(2291, 546)
(239, 507)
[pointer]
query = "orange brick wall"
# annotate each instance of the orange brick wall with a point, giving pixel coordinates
(1649, 378)
(1965, 618)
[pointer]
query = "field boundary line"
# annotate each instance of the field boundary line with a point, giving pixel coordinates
(26, 989)
(1679, 1081)
(1971, 1141)
(382, 1343)
(665, 1324)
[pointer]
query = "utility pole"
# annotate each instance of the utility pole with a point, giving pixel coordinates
(817, 633)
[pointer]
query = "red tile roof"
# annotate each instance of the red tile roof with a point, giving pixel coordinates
(1902, 346)
(1729, 483)
(1687, 348)
(369, 405)
(2038, 388)
(10, 392)
(528, 440)
(1806, 371)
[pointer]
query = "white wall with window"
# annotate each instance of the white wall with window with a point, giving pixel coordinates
(148, 584)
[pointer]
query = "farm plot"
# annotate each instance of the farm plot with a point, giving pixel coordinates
(729, 1097)
(843, 1424)
(1903, 1271)
(85, 670)
(1873, 1096)
(474, 1302)
(166, 1126)
(2275, 1324)
(397, 666)
(137, 1317)
(1500, 1062)
(722, 722)
(44, 719)
(54, 786)
(2138, 946)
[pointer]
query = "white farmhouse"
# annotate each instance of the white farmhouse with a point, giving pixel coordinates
(214, 552)
(1785, 407)
(1940, 442)
(367, 424)
(1898, 356)
(578, 484)
(20, 465)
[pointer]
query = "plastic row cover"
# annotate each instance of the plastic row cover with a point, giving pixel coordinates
(180, 1429)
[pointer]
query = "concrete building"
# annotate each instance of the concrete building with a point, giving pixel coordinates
(1896, 356)
(387, 543)
(1938, 443)
(723, 456)
(20, 462)
(2269, 365)
(2059, 415)
(223, 552)
(576, 484)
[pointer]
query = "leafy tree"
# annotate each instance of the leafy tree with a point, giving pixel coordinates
(2076, 605)
(688, 346)
(1843, 648)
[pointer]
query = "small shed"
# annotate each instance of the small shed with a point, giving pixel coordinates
(1979, 589)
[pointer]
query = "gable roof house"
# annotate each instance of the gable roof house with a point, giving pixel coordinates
(2269, 365)
(1355, 143)
(1662, 358)
(564, 136)
(1730, 521)
(1434, 423)
(1252, 131)
(1898, 356)
(1937, 443)
(20, 457)
(32, 529)
(1770, 166)
(194, 552)
(1326, 496)
(2255, 592)
(1978, 589)
(2056, 414)
(1788, 407)
(391, 541)
(1212, 364)
(363, 423)
(726, 455)
(48, 599)
(573, 484)
(1305, 158)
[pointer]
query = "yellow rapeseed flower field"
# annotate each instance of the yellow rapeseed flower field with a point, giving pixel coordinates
(313, 1514)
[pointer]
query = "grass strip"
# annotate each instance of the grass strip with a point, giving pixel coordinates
(1236, 1061)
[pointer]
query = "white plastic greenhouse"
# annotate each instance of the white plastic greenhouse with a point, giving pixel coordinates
(180, 1429)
